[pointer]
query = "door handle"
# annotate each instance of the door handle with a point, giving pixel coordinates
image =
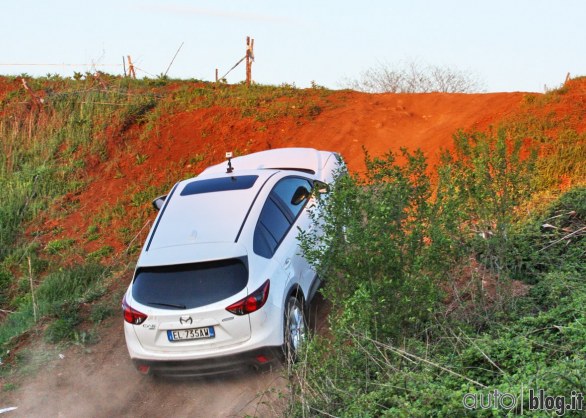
(287, 263)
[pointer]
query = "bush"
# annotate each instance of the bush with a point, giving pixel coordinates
(386, 252)
(373, 252)
(553, 239)
(414, 78)
(484, 180)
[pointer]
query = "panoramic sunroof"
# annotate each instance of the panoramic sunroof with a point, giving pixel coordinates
(220, 184)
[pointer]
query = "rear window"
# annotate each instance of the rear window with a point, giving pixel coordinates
(220, 184)
(189, 286)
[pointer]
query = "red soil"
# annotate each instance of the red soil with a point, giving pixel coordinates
(181, 145)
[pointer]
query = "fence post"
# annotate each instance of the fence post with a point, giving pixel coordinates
(30, 276)
(131, 71)
(100, 81)
(36, 99)
(249, 59)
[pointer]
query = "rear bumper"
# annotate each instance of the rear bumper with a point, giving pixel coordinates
(253, 359)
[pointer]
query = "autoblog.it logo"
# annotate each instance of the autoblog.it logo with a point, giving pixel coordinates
(531, 400)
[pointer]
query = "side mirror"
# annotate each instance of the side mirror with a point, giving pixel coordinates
(300, 195)
(159, 202)
(320, 187)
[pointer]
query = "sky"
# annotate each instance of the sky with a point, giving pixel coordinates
(507, 45)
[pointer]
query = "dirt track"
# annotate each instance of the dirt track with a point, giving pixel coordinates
(101, 382)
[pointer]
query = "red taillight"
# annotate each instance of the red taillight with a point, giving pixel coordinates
(143, 368)
(131, 315)
(262, 359)
(252, 302)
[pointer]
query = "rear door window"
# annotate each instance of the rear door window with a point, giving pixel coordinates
(189, 286)
(280, 211)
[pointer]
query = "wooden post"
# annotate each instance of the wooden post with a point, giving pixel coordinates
(568, 78)
(217, 79)
(249, 59)
(100, 81)
(36, 100)
(124, 65)
(30, 276)
(131, 71)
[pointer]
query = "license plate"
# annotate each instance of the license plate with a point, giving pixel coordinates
(190, 334)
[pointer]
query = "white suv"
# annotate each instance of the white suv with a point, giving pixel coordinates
(221, 283)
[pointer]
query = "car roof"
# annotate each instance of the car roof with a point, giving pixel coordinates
(307, 160)
(208, 216)
(209, 211)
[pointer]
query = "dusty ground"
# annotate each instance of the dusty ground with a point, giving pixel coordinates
(100, 381)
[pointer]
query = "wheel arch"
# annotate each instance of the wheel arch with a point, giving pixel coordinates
(297, 292)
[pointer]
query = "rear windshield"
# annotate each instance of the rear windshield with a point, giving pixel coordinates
(220, 184)
(189, 286)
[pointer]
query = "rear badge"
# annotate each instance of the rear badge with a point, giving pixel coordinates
(185, 319)
(149, 326)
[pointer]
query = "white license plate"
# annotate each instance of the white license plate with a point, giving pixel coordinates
(190, 334)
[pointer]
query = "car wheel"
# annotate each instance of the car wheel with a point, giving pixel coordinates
(295, 329)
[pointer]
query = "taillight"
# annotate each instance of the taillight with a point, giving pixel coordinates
(252, 302)
(131, 315)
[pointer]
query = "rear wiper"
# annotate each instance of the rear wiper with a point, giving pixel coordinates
(170, 305)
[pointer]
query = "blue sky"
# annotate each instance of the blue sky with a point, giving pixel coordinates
(514, 45)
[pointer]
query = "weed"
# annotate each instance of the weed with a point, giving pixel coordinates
(9, 387)
(97, 255)
(197, 158)
(141, 158)
(136, 111)
(100, 312)
(85, 338)
(398, 351)
(92, 233)
(59, 245)
(61, 329)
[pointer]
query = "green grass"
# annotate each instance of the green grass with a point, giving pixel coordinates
(59, 245)
(42, 158)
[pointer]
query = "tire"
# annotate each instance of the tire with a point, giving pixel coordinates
(295, 329)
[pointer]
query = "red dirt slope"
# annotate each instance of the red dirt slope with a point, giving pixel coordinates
(183, 144)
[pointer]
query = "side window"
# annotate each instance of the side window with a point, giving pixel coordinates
(294, 193)
(279, 212)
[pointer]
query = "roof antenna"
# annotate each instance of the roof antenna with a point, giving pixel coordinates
(230, 168)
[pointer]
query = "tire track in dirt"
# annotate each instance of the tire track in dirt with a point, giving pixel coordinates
(101, 381)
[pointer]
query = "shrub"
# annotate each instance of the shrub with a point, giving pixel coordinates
(414, 77)
(484, 180)
(373, 252)
(385, 253)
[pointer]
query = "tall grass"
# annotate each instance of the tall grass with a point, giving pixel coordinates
(43, 154)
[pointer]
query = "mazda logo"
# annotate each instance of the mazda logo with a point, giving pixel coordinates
(185, 320)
